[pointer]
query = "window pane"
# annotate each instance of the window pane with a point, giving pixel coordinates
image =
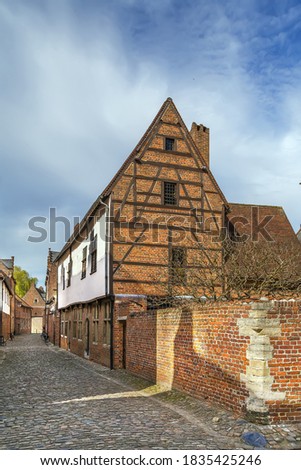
(170, 193)
(169, 143)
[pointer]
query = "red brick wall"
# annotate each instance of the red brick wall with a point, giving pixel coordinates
(34, 299)
(5, 325)
(204, 353)
(200, 353)
(141, 344)
(22, 319)
(285, 366)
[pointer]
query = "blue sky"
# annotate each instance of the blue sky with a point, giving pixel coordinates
(81, 80)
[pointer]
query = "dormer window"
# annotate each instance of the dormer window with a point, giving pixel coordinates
(169, 143)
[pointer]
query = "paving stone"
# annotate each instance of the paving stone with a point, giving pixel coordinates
(39, 408)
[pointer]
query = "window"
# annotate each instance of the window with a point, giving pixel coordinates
(69, 273)
(93, 252)
(84, 263)
(177, 265)
(169, 143)
(66, 328)
(35, 301)
(62, 323)
(95, 322)
(80, 323)
(63, 277)
(74, 323)
(170, 193)
(107, 324)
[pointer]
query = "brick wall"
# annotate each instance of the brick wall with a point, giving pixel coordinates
(34, 299)
(243, 357)
(22, 319)
(285, 366)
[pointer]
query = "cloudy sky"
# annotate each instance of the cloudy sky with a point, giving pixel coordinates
(81, 80)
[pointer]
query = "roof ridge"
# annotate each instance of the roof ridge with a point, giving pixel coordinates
(254, 204)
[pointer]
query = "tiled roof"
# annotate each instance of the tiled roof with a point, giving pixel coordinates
(247, 218)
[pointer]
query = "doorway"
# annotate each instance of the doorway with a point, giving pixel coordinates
(124, 344)
(87, 338)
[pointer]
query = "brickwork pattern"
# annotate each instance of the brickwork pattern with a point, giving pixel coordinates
(242, 357)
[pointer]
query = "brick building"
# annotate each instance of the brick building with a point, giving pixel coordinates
(141, 237)
(7, 299)
(161, 206)
(23, 315)
(51, 314)
(137, 244)
(34, 297)
(299, 234)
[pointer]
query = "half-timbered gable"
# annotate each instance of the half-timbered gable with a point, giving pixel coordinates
(164, 198)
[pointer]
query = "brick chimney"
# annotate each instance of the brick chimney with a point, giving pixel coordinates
(200, 135)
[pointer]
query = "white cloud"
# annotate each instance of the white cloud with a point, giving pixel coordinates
(78, 87)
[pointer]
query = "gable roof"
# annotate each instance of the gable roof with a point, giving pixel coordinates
(8, 263)
(22, 301)
(135, 154)
(277, 225)
(144, 140)
(8, 281)
(34, 287)
(53, 255)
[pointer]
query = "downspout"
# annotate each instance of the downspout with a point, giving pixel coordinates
(108, 275)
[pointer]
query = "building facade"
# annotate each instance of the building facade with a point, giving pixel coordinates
(51, 314)
(35, 299)
(7, 298)
(140, 237)
(23, 316)
(162, 218)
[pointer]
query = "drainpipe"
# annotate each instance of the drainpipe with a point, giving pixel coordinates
(112, 333)
(107, 277)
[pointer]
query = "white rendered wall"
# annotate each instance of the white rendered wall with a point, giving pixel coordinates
(4, 298)
(93, 285)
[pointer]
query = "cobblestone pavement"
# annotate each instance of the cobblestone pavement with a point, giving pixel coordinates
(52, 399)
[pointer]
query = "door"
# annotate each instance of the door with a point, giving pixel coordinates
(124, 344)
(69, 334)
(37, 325)
(87, 337)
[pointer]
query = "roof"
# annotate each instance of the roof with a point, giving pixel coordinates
(8, 263)
(134, 154)
(261, 222)
(22, 301)
(37, 289)
(8, 281)
(53, 255)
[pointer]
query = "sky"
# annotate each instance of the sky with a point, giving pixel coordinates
(81, 80)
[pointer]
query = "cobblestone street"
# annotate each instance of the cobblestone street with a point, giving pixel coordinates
(51, 399)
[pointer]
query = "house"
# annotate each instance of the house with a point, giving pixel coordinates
(299, 234)
(51, 323)
(140, 241)
(148, 224)
(260, 222)
(23, 315)
(34, 297)
(7, 300)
